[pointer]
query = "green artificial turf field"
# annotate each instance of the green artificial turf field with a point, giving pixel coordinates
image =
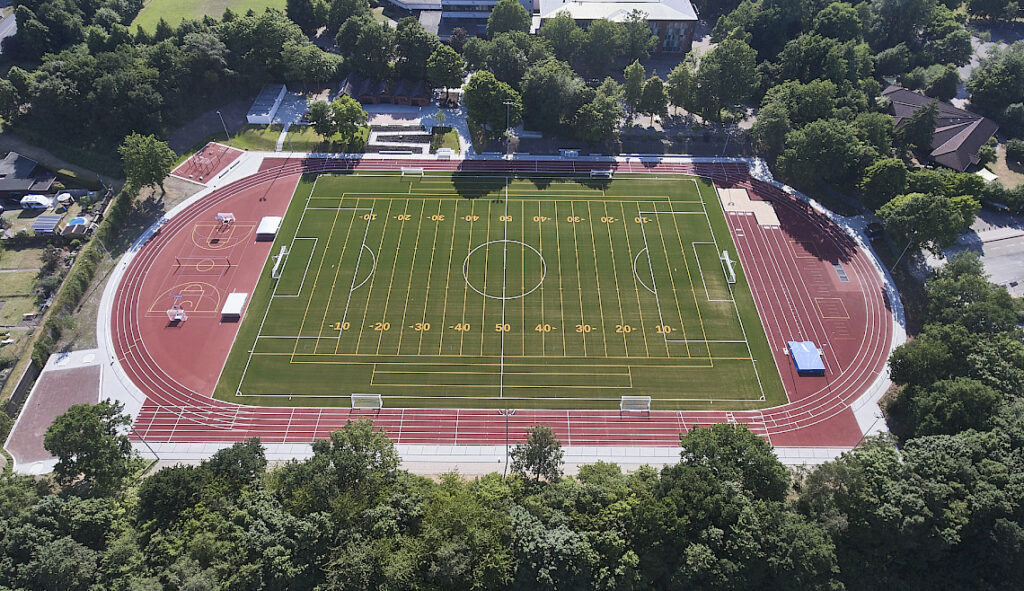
(481, 291)
(173, 11)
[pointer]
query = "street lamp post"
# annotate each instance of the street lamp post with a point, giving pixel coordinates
(508, 125)
(225, 126)
(506, 413)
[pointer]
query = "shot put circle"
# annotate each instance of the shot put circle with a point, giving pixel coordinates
(500, 248)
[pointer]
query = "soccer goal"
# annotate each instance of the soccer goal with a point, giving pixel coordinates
(727, 266)
(601, 174)
(224, 219)
(411, 171)
(635, 404)
(367, 401)
(275, 272)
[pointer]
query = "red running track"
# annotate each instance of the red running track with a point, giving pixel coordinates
(790, 268)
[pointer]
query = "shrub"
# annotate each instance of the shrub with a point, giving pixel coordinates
(1015, 151)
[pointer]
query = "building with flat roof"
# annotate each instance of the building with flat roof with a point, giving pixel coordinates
(673, 21)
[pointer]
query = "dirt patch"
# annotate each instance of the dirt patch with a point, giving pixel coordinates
(55, 392)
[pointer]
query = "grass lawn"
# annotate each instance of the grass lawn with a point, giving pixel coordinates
(21, 257)
(1010, 175)
(14, 308)
(448, 139)
(173, 11)
(20, 283)
(302, 138)
(474, 290)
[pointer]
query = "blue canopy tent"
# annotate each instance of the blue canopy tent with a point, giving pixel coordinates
(806, 358)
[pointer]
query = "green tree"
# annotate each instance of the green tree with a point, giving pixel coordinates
(10, 100)
(602, 48)
(838, 20)
(654, 100)
(540, 456)
(929, 221)
(348, 116)
(374, 50)
(638, 40)
(552, 94)
(734, 454)
(341, 11)
(89, 442)
(949, 407)
(770, 128)
(827, 149)
(506, 16)
(999, 80)
(682, 86)
(321, 118)
(598, 120)
(564, 35)
(633, 88)
(445, 68)
(507, 60)
(301, 12)
(959, 293)
(146, 160)
(727, 76)
(414, 46)
(882, 181)
(485, 98)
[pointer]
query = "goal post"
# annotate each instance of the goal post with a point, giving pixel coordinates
(635, 404)
(279, 259)
(728, 267)
(412, 171)
(367, 401)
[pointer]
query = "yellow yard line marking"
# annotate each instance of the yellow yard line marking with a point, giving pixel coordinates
(334, 282)
(693, 290)
(316, 278)
(373, 280)
(636, 286)
(597, 278)
(447, 279)
(615, 276)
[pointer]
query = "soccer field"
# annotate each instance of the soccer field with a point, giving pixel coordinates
(488, 291)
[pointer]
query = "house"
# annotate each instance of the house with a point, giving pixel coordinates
(20, 176)
(371, 91)
(673, 21)
(958, 133)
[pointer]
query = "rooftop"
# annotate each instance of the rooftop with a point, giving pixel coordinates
(958, 133)
(618, 11)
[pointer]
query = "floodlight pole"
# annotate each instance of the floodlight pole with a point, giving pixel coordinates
(506, 413)
(508, 125)
(901, 255)
(225, 126)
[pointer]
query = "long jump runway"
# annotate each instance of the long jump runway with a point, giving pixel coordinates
(793, 270)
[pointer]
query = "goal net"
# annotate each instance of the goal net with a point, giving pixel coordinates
(601, 174)
(411, 171)
(275, 272)
(224, 219)
(635, 404)
(367, 401)
(727, 266)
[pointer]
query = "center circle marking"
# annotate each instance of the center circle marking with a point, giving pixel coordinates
(506, 295)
